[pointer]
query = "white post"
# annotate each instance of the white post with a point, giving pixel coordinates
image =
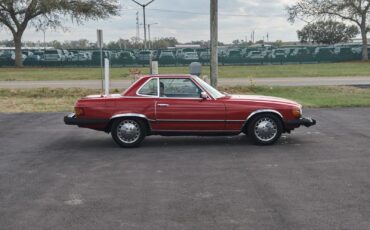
(106, 76)
(100, 45)
(154, 67)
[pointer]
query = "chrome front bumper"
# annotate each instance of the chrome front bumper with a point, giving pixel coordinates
(305, 121)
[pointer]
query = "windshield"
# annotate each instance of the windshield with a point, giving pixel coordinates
(214, 92)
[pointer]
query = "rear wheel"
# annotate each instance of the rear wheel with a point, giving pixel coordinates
(128, 132)
(265, 129)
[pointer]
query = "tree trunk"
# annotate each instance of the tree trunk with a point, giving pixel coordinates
(18, 50)
(365, 55)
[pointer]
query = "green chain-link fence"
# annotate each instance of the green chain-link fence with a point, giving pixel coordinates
(174, 57)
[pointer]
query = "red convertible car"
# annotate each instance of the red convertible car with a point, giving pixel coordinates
(185, 105)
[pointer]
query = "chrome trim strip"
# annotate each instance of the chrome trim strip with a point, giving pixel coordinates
(130, 115)
(71, 115)
(264, 111)
(174, 98)
(148, 96)
(198, 131)
(138, 95)
(158, 88)
(200, 86)
(163, 105)
(182, 98)
(261, 111)
(191, 98)
(189, 120)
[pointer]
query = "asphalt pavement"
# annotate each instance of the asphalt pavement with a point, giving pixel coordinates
(125, 83)
(54, 176)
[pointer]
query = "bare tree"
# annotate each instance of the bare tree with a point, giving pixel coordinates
(354, 11)
(18, 15)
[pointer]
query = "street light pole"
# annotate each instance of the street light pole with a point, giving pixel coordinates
(149, 25)
(144, 27)
(44, 31)
(149, 35)
(144, 6)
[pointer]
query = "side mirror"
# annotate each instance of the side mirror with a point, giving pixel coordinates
(204, 95)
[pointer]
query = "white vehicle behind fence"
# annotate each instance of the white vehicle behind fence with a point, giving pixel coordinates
(24, 56)
(53, 55)
(190, 56)
(144, 56)
(279, 54)
(256, 55)
(80, 56)
(357, 50)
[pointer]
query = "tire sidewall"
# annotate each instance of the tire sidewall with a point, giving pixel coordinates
(251, 125)
(123, 144)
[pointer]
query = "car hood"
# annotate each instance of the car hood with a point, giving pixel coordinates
(264, 99)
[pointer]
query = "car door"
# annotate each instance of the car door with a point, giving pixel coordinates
(180, 108)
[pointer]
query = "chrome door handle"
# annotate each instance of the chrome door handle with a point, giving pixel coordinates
(163, 105)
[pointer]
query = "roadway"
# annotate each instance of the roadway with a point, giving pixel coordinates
(122, 84)
(54, 176)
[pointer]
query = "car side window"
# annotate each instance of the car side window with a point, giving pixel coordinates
(150, 88)
(179, 88)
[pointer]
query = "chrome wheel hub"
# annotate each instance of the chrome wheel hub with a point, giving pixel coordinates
(265, 129)
(128, 131)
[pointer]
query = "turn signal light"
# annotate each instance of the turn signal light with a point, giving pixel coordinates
(297, 113)
(79, 111)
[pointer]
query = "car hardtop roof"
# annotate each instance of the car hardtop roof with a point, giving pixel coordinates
(169, 76)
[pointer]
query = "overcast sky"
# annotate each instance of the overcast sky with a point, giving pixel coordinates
(186, 20)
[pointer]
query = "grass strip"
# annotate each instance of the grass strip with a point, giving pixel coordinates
(263, 71)
(62, 100)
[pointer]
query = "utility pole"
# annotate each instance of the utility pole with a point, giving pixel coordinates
(149, 25)
(214, 42)
(137, 26)
(150, 45)
(144, 6)
(44, 30)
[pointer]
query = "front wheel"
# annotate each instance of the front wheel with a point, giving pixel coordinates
(265, 129)
(128, 132)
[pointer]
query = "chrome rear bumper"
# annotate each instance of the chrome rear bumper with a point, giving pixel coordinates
(71, 119)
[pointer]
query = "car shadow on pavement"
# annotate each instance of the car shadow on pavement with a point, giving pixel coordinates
(159, 142)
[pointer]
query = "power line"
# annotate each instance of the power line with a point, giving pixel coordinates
(144, 6)
(207, 14)
(198, 13)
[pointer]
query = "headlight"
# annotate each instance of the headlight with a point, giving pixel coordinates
(297, 112)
